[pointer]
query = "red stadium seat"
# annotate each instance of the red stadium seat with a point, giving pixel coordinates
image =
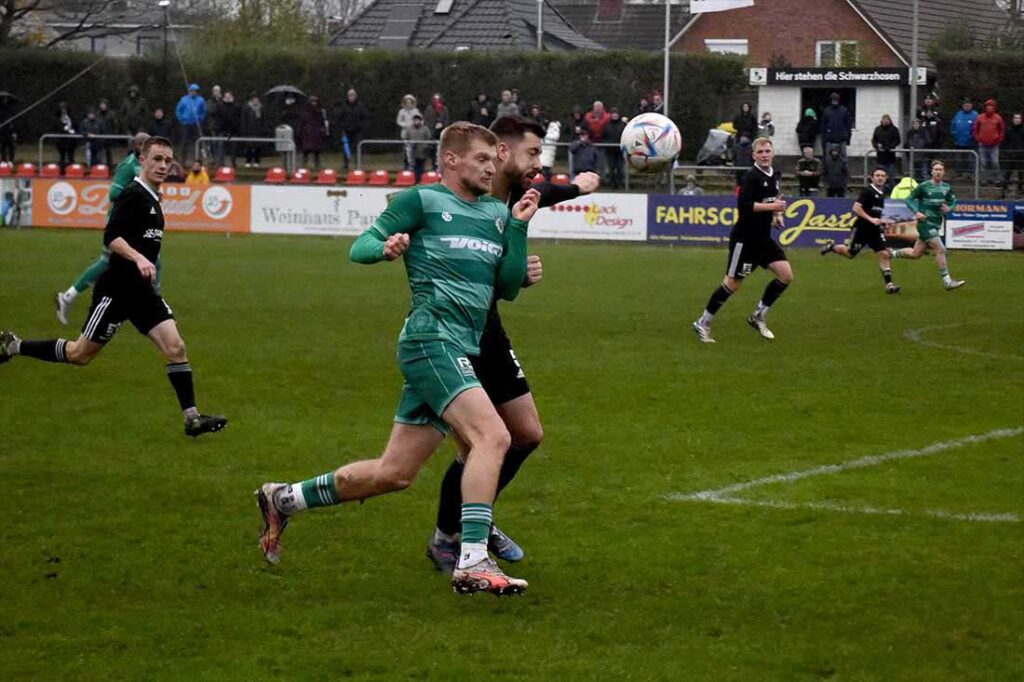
(355, 177)
(560, 179)
(538, 178)
(430, 177)
(405, 179)
(26, 170)
(75, 170)
(275, 175)
(224, 174)
(50, 170)
(6, 169)
(100, 171)
(301, 177)
(327, 176)
(379, 178)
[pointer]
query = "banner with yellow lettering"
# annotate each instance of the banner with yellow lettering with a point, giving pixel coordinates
(707, 221)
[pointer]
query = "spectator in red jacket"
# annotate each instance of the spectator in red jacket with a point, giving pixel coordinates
(597, 118)
(989, 130)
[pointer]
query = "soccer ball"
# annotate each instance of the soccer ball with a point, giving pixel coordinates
(650, 141)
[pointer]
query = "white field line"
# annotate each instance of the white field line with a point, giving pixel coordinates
(827, 506)
(917, 336)
(860, 463)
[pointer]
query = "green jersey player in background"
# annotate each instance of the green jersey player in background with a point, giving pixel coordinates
(931, 201)
(461, 248)
(126, 171)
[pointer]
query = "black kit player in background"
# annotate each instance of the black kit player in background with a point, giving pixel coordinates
(760, 206)
(124, 291)
(867, 230)
(499, 371)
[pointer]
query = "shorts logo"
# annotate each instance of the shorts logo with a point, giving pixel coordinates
(446, 216)
(520, 374)
(746, 269)
(153, 233)
(465, 366)
(111, 330)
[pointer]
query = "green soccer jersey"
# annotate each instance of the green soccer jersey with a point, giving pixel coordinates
(461, 254)
(928, 198)
(126, 171)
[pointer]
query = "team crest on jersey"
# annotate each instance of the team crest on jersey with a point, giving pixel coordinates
(500, 224)
(446, 216)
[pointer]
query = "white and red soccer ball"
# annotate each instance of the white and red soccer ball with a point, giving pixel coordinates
(650, 141)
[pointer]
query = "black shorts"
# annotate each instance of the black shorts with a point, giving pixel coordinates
(112, 305)
(745, 256)
(497, 367)
(870, 236)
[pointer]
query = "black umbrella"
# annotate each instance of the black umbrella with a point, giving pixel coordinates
(285, 90)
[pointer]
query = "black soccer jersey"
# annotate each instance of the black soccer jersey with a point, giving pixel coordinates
(137, 218)
(872, 201)
(756, 186)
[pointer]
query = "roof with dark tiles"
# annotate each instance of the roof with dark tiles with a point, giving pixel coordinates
(469, 24)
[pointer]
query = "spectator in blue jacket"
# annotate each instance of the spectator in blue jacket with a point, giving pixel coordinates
(191, 114)
(962, 130)
(836, 126)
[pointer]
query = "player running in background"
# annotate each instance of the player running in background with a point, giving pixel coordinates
(931, 201)
(125, 291)
(867, 230)
(461, 248)
(496, 365)
(126, 171)
(751, 246)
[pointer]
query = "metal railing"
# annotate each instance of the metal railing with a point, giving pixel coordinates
(282, 144)
(390, 143)
(127, 139)
(935, 153)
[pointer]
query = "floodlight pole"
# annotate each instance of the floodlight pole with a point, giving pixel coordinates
(668, 48)
(540, 25)
(913, 66)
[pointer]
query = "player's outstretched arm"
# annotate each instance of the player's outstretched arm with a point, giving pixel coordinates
(388, 237)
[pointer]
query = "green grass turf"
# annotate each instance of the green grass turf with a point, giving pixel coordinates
(159, 575)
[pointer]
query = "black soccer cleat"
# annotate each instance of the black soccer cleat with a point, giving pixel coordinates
(892, 288)
(204, 423)
(8, 342)
(827, 248)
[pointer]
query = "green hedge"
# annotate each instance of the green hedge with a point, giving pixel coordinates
(557, 81)
(980, 75)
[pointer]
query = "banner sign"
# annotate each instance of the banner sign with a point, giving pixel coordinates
(707, 220)
(84, 204)
(312, 210)
(837, 77)
(613, 217)
(980, 225)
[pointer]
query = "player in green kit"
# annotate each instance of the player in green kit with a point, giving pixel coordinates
(461, 249)
(931, 201)
(126, 171)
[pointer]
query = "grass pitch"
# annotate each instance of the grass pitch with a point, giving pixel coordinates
(129, 551)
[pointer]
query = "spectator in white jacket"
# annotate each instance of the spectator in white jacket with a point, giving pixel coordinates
(548, 148)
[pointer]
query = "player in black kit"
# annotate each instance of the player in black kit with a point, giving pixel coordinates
(760, 206)
(125, 291)
(867, 230)
(499, 371)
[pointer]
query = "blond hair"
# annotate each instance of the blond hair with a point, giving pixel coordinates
(459, 137)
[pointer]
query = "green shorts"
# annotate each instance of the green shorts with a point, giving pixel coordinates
(435, 372)
(928, 232)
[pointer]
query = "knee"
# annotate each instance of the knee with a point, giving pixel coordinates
(77, 355)
(786, 277)
(497, 440)
(390, 478)
(175, 350)
(528, 436)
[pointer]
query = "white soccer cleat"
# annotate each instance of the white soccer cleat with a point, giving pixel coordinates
(486, 576)
(63, 307)
(954, 284)
(703, 332)
(762, 329)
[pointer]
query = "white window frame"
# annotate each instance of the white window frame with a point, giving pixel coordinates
(837, 45)
(727, 45)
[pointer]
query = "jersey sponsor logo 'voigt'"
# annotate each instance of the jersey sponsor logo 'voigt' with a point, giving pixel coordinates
(472, 244)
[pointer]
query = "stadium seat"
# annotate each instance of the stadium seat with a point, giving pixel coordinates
(6, 169)
(327, 176)
(50, 170)
(224, 174)
(75, 170)
(379, 178)
(100, 171)
(355, 177)
(26, 170)
(430, 177)
(300, 177)
(405, 179)
(275, 175)
(538, 178)
(560, 179)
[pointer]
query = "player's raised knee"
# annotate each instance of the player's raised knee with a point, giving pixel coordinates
(174, 349)
(528, 436)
